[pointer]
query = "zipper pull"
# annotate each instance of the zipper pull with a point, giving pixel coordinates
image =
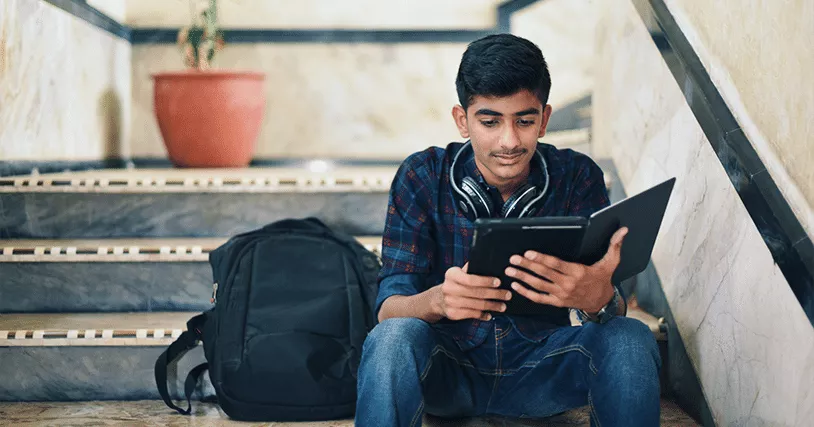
(214, 298)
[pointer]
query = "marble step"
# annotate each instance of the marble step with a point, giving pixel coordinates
(110, 275)
(101, 356)
(90, 356)
(190, 202)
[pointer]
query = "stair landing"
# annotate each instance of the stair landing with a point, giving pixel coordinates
(155, 413)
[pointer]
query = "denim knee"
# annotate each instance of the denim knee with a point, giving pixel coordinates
(628, 338)
(398, 340)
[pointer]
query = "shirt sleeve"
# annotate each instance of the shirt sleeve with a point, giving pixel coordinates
(407, 242)
(589, 191)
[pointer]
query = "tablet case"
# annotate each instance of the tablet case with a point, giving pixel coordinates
(573, 239)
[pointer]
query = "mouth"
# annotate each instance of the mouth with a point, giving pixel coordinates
(509, 158)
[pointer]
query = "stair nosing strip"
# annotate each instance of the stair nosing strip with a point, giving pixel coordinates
(191, 253)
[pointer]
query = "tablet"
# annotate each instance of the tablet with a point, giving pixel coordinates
(572, 239)
(495, 241)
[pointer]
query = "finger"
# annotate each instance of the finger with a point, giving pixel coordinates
(478, 281)
(534, 282)
(563, 267)
(459, 276)
(464, 313)
(475, 304)
(537, 268)
(476, 292)
(537, 297)
(466, 267)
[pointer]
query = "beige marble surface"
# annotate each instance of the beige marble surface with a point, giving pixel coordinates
(760, 62)
(93, 321)
(116, 9)
(357, 14)
(155, 413)
(64, 86)
(564, 30)
(337, 100)
(745, 332)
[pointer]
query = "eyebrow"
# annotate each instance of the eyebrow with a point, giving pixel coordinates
(488, 112)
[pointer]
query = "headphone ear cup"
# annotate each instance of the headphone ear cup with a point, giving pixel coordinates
(478, 199)
(518, 201)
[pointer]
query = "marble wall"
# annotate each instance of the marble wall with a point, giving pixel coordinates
(761, 63)
(357, 14)
(745, 332)
(326, 100)
(564, 31)
(64, 86)
(362, 100)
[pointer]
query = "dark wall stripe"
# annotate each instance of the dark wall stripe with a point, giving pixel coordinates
(232, 36)
(505, 11)
(87, 13)
(784, 235)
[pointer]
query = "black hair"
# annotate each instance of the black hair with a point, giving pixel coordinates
(502, 65)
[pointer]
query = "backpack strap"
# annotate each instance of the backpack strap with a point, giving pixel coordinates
(187, 341)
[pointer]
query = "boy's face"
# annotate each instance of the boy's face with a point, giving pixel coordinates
(504, 133)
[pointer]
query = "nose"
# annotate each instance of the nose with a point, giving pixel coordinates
(509, 139)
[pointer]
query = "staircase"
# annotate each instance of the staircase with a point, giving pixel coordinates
(101, 270)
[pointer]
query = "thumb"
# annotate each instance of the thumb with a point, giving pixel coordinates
(465, 267)
(614, 253)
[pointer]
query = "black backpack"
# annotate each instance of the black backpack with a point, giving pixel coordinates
(293, 306)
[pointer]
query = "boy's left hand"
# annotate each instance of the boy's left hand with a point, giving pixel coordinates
(572, 285)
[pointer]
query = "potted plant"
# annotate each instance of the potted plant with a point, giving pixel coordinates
(207, 117)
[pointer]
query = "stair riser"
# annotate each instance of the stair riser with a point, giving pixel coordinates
(111, 215)
(49, 287)
(90, 373)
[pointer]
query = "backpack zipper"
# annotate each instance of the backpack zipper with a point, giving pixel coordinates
(214, 298)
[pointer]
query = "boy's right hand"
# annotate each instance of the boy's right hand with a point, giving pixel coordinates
(467, 296)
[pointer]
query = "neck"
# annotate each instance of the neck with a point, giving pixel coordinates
(506, 187)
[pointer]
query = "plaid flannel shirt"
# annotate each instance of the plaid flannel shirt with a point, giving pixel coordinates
(425, 234)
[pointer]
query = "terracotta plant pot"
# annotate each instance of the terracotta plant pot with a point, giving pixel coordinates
(209, 118)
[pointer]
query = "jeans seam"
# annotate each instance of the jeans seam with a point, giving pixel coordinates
(504, 333)
(579, 348)
(439, 349)
(423, 376)
(498, 371)
(593, 410)
(417, 415)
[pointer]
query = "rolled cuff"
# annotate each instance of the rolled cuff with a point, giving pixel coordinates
(398, 284)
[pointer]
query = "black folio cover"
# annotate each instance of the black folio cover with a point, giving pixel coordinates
(574, 239)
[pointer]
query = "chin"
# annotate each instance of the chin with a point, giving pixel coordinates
(508, 172)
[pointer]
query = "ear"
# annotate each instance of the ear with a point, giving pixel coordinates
(459, 115)
(544, 121)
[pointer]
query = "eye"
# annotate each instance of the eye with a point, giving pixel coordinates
(489, 123)
(522, 122)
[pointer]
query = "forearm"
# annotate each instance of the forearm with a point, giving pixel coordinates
(421, 306)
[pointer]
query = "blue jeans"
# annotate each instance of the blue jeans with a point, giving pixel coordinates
(410, 367)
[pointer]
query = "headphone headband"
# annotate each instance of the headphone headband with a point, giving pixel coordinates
(475, 202)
